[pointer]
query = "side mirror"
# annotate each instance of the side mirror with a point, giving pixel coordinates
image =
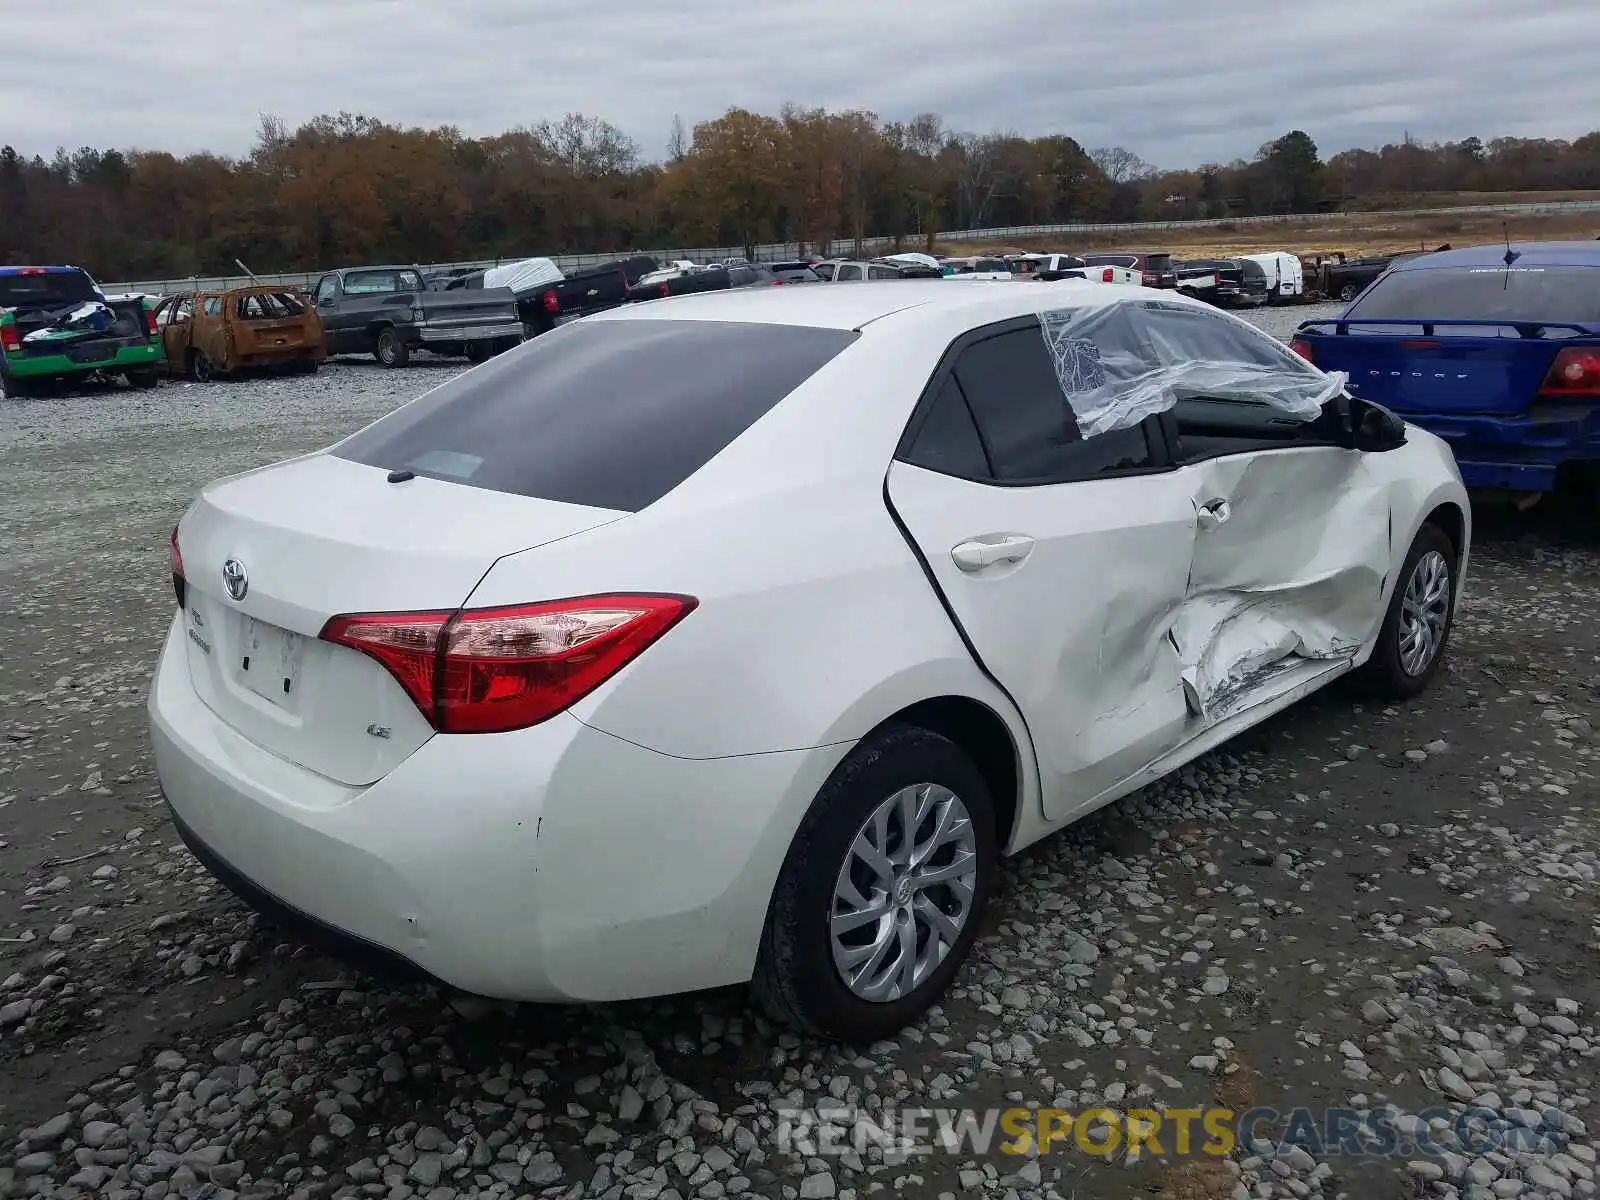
(1377, 429)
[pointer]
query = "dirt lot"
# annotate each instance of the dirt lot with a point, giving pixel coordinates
(1391, 909)
(1354, 234)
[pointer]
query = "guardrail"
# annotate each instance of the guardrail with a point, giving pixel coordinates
(780, 250)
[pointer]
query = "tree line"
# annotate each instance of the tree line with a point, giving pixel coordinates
(347, 188)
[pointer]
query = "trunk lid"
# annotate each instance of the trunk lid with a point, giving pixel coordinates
(316, 537)
(1456, 368)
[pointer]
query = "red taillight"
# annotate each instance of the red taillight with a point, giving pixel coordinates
(34, 271)
(1303, 348)
(176, 557)
(665, 291)
(10, 339)
(1108, 275)
(150, 326)
(551, 302)
(1576, 372)
(489, 670)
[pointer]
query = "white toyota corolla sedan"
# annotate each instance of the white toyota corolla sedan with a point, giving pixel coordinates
(734, 637)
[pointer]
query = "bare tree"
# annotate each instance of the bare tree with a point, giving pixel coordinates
(588, 146)
(677, 140)
(1122, 165)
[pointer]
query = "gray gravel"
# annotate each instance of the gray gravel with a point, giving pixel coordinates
(1390, 909)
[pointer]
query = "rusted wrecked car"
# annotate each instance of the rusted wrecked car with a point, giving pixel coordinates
(210, 334)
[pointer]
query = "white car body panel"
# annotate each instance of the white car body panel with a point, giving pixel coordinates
(629, 845)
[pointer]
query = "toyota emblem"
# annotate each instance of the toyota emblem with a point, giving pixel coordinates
(235, 578)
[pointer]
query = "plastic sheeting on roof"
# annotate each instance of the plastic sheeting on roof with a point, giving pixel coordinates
(1106, 359)
(523, 276)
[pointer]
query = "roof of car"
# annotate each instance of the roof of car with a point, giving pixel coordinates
(855, 305)
(1529, 254)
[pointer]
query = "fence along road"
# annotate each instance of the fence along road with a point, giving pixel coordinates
(781, 250)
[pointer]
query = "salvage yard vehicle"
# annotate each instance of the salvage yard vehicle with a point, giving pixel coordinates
(1286, 280)
(977, 267)
(388, 312)
(56, 326)
(944, 569)
(213, 334)
(1156, 269)
(1496, 349)
(1050, 267)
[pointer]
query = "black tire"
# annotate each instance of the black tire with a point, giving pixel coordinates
(199, 367)
(795, 979)
(19, 389)
(306, 366)
(507, 343)
(143, 380)
(390, 348)
(1349, 292)
(479, 352)
(1385, 673)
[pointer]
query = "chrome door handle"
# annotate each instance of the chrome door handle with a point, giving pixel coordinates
(975, 555)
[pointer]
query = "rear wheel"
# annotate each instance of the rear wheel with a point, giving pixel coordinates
(1348, 292)
(143, 379)
(478, 352)
(880, 896)
(20, 389)
(199, 367)
(1416, 628)
(305, 366)
(390, 349)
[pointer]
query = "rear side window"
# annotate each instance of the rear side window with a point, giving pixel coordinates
(1028, 429)
(948, 440)
(991, 264)
(1485, 293)
(613, 414)
(1111, 260)
(1158, 262)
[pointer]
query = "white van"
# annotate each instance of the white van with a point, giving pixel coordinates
(1286, 277)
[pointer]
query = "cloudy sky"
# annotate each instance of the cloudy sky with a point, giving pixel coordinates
(1180, 82)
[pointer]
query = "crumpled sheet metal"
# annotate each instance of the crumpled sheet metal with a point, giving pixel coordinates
(1296, 573)
(1102, 360)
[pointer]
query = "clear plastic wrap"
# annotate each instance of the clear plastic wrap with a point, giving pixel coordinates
(1117, 364)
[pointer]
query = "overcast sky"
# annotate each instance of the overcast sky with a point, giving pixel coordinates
(1180, 82)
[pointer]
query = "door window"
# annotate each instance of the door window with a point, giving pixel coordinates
(1006, 389)
(1232, 387)
(326, 288)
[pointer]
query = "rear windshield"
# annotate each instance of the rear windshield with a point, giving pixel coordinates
(268, 306)
(990, 264)
(1486, 293)
(1250, 268)
(1112, 260)
(613, 414)
(45, 291)
(378, 283)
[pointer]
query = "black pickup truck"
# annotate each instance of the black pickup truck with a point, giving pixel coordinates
(388, 312)
(586, 290)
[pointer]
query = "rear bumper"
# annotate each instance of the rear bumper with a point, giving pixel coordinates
(432, 334)
(1516, 453)
(139, 355)
(556, 863)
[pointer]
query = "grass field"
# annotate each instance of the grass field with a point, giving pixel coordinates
(1354, 233)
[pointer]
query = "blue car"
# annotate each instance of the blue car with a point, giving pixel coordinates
(1496, 349)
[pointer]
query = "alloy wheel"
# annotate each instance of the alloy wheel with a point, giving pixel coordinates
(1424, 611)
(904, 893)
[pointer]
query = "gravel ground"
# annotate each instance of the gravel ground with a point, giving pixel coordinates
(1391, 909)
